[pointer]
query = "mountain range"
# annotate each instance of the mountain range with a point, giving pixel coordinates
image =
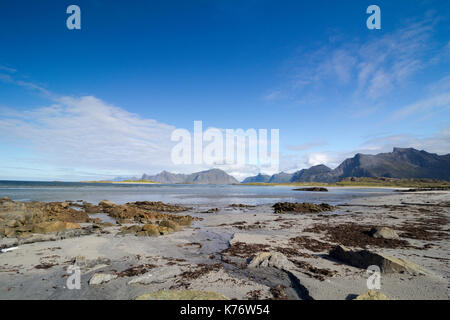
(402, 163)
(213, 176)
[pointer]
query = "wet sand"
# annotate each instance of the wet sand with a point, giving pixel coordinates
(200, 257)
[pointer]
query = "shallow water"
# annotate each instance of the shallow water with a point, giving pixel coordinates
(215, 195)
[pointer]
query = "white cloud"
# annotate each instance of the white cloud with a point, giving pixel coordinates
(315, 159)
(88, 133)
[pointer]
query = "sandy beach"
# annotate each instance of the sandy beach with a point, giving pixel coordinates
(216, 253)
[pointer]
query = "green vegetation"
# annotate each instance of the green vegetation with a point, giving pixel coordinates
(124, 181)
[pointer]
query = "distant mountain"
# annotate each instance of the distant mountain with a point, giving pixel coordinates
(213, 176)
(264, 178)
(281, 177)
(401, 163)
(165, 177)
(312, 174)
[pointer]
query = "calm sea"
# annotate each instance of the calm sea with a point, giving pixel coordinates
(215, 195)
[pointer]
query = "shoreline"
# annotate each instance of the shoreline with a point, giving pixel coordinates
(212, 254)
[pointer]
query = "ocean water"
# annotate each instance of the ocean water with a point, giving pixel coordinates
(211, 195)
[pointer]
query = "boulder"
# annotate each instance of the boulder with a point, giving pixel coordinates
(383, 232)
(372, 295)
(100, 278)
(365, 258)
(182, 295)
(271, 259)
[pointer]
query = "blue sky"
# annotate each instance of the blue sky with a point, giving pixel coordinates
(101, 101)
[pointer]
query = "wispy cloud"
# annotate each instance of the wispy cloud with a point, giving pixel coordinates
(7, 69)
(433, 104)
(363, 71)
(87, 132)
(8, 78)
(307, 146)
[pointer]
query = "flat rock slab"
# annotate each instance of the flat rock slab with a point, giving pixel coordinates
(157, 275)
(100, 278)
(364, 258)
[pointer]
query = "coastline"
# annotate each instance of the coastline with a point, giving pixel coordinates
(212, 254)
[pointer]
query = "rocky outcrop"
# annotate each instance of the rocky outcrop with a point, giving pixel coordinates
(290, 207)
(365, 258)
(146, 212)
(22, 219)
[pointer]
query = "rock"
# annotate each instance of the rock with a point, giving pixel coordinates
(372, 295)
(13, 224)
(151, 230)
(182, 295)
(9, 232)
(140, 231)
(313, 189)
(106, 203)
(305, 207)
(383, 232)
(364, 258)
(100, 278)
(90, 208)
(183, 220)
(271, 259)
(170, 225)
(146, 212)
(54, 226)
